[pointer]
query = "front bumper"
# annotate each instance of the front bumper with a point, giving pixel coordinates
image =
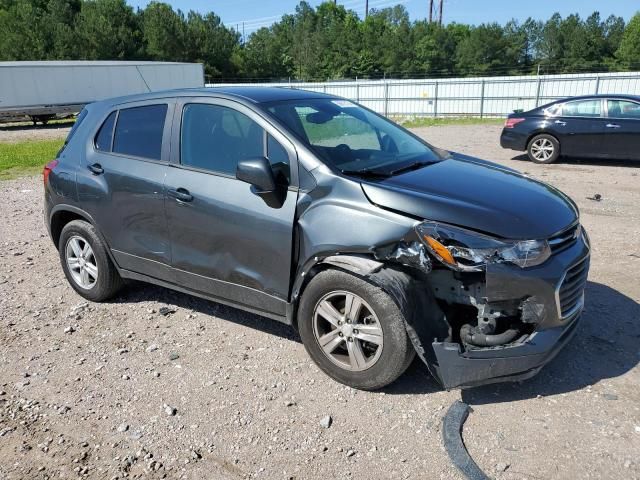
(556, 322)
(456, 369)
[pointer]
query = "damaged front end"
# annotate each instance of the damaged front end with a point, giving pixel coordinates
(498, 310)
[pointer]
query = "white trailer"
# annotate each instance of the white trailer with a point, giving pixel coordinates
(42, 91)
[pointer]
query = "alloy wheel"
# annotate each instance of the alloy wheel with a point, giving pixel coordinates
(347, 331)
(542, 149)
(81, 262)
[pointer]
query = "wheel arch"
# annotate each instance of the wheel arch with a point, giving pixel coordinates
(410, 291)
(543, 132)
(62, 214)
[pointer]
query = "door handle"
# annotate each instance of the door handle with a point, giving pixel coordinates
(96, 168)
(181, 194)
(560, 122)
(612, 125)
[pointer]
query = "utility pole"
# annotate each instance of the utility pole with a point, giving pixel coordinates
(366, 9)
(440, 17)
(430, 11)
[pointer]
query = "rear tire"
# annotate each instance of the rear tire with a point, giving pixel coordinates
(543, 148)
(371, 348)
(86, 263)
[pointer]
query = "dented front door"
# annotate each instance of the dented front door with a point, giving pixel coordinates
(226, 240)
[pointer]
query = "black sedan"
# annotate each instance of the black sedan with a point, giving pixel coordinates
(598, 126)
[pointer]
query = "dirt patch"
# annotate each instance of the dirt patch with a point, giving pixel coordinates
(90, 389)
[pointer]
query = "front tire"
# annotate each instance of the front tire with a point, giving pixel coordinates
(543, 148)
(86, 263)
(353, 331)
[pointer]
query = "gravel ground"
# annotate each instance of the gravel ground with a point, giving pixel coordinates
(206, 391)
(12, 133)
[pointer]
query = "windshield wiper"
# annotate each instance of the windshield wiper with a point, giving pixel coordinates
(411, 166)
(367, 173)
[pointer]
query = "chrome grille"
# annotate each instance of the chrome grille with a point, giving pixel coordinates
(565, 238)
(572, 288)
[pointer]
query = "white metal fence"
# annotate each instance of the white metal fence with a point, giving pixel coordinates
(458, 97)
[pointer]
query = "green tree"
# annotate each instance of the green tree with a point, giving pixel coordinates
(164, 32)
(108, 30)
(209, 42)
(628, 53)
(486, 50)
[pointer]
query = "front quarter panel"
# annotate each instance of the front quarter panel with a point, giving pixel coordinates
(336, 218)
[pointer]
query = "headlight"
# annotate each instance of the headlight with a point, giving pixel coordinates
(464, 250)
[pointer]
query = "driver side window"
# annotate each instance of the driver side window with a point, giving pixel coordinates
(361, 136)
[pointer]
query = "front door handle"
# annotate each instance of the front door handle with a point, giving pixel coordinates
(96, 169)
(181, 194)
(560, 122)
(612, 125)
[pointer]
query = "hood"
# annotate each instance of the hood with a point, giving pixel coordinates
(479, 195)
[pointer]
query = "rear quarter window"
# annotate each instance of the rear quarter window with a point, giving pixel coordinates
(81, 116)
(105, 134)
(139, 131)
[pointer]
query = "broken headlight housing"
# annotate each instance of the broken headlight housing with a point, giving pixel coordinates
(468, 251)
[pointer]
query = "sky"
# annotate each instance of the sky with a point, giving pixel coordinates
(258, 13)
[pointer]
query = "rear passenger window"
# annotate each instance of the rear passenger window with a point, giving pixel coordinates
(215, 138)
(105, 134)
(582, 108)
(139, 131)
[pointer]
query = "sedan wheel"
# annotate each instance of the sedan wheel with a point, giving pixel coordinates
(543, 149)
(81, 262)
(348, 331)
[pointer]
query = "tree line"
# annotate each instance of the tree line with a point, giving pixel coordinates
(322, 43)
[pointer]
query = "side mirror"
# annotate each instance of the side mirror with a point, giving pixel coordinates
(257, 172)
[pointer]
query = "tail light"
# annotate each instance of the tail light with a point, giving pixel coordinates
(512, 122)
(47, 170)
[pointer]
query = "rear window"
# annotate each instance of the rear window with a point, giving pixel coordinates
(105, 134)
(139, 130)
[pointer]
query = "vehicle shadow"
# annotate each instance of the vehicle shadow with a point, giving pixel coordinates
(605, 346)
(416, 380)
(136, 292)
(585, 161)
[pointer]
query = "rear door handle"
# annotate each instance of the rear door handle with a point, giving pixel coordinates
(96, 169)
(612, 125)
(560, 122)
(181, 194)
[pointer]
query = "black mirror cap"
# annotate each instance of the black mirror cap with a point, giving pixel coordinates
(257, 172)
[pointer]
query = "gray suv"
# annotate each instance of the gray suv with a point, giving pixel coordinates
(314, 211)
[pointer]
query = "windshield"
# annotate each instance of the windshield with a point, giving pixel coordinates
(351, 138)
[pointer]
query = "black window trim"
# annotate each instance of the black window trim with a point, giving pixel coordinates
(166, 131)
(253, 114)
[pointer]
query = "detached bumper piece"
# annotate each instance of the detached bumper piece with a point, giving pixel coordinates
(514, 362)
